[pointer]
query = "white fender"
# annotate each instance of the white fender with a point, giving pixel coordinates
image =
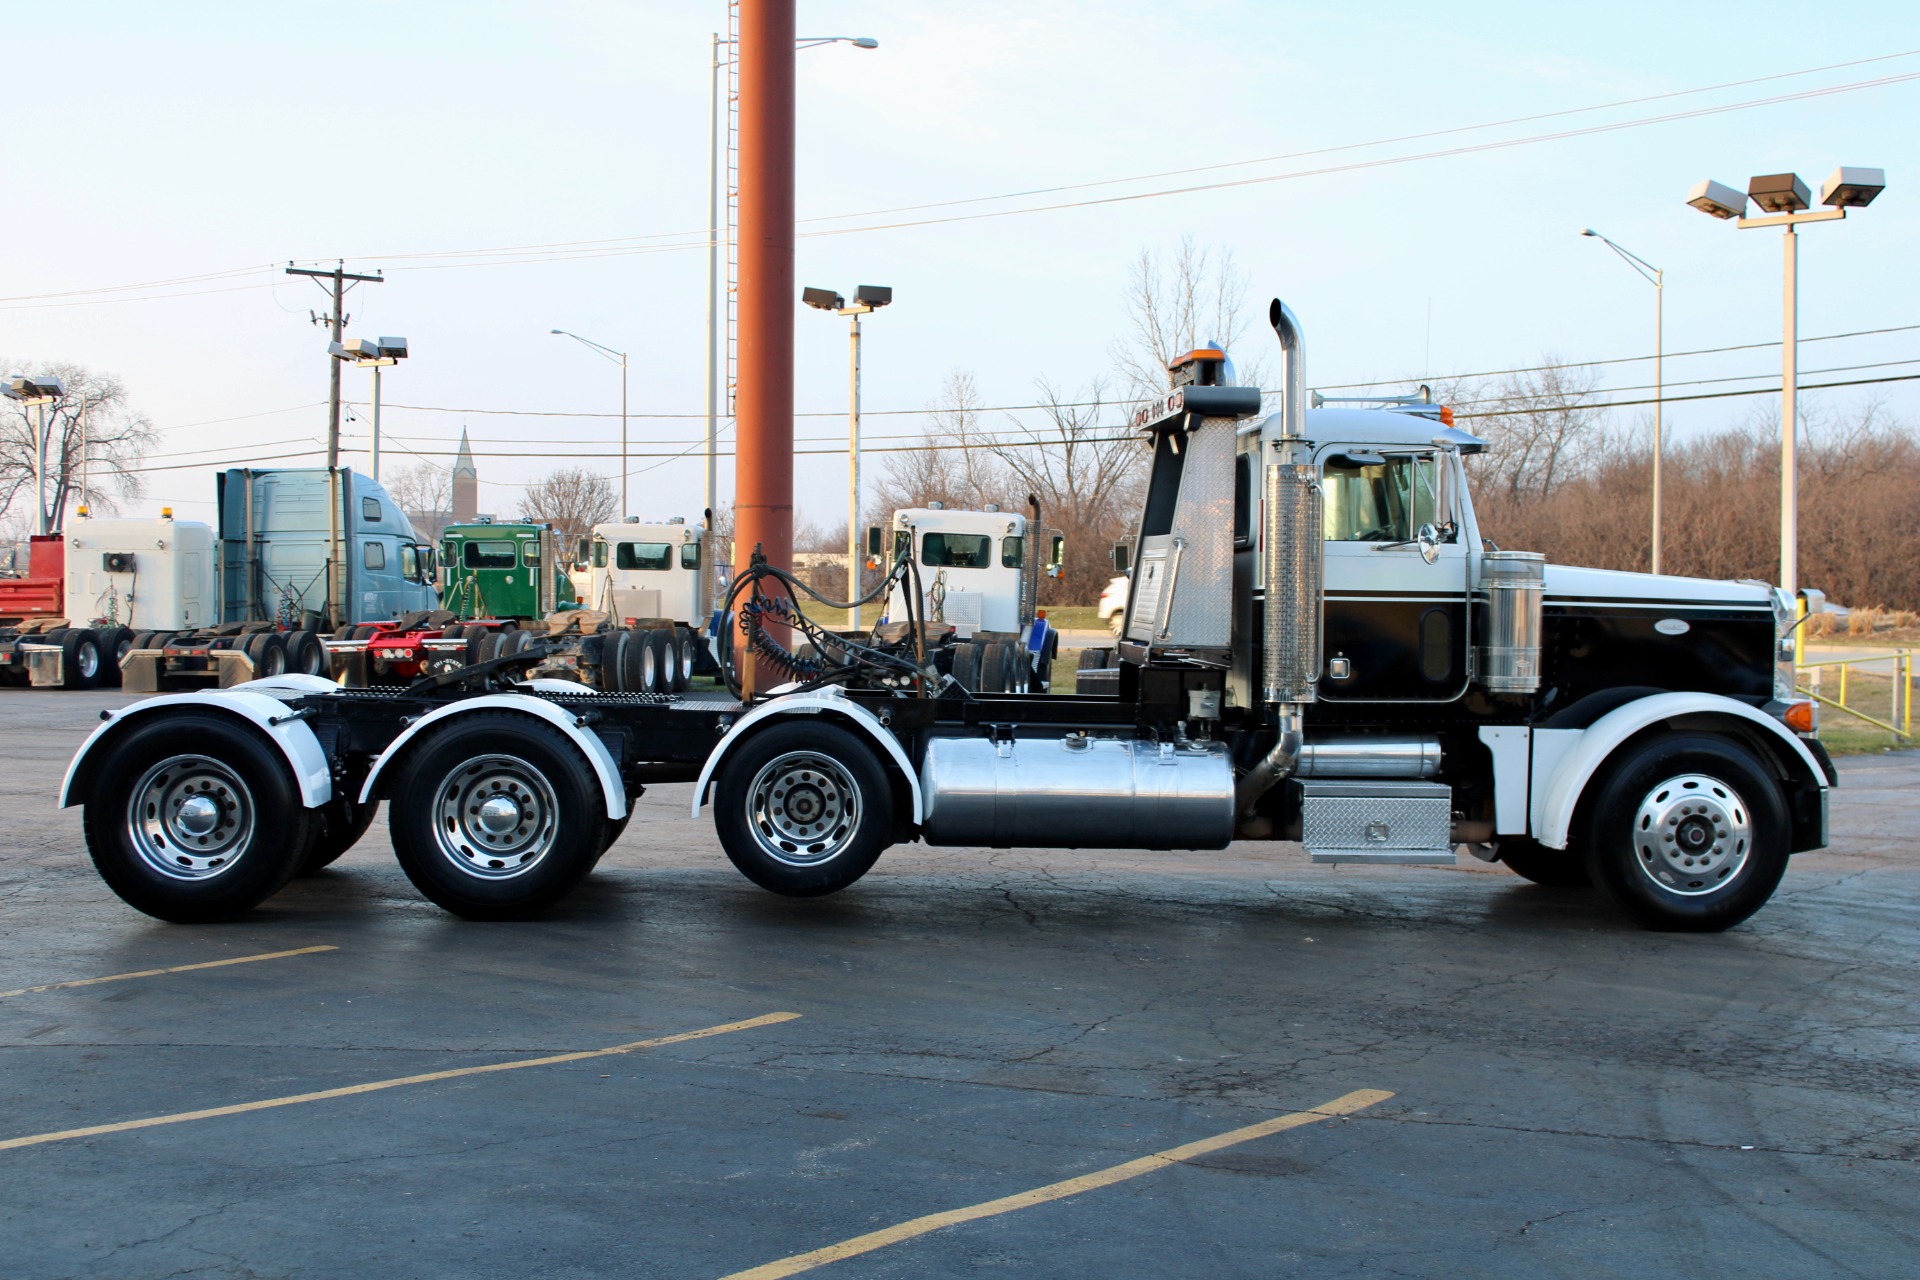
(812, 704)
(295, 740)
(565, 721)
(1562, 790)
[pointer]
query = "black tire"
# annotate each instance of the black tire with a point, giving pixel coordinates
(633, 669)
(1043, 676)
(613, 658)
(82, 660)
(342, 821)
(118, 644)
(966, 665)
(616, 828)
(1095, 659)
(344, 633)
(269, 653)
(996, 668)
(658, 661)
(1556, 868)
(679, 660)
(1687, 787)
(161, 762)
(793, 782)
(490, 646)
(144, 639)
(538, 775)
(305, 654)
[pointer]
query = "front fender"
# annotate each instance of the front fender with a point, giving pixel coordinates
(820, 702)
(295, 740)
(1561, 794)
(604, 766)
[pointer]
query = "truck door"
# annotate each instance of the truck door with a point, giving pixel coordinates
(1396, 620)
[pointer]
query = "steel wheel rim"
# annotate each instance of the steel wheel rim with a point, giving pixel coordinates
(274, 660)
(685, 651)
(803, 808)
(495, 817)
(1692, 835)
(87, 658)
(649, 667)
(190, 817)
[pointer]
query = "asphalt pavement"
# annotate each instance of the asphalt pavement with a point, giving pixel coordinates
(974, 1062)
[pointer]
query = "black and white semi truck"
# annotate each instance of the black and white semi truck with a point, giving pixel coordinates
(1319, 646)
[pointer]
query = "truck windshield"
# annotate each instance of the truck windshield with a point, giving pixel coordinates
(488, 555)
(644, 555)
(1377, 501)
(956, 550)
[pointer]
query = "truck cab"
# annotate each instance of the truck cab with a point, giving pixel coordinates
(650, 571)
(502, 570)
(315, 548)
(975, 567)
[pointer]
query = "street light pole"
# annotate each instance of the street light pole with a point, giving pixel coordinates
(39, 392)
(621, 357)
(1656, 277)
(853, 462)
(1785, 198)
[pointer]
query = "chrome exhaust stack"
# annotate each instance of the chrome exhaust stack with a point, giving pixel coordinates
(1291, 560)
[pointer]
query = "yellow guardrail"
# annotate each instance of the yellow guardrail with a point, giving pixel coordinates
(1899, 721)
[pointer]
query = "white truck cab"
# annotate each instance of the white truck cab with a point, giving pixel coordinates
(975, 572)
(641, 571)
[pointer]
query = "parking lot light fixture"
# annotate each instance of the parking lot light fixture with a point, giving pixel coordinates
(37, 393)
(867, 298)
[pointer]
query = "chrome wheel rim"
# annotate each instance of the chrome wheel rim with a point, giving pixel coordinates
(87, 658)
(685, 651)
(495, 817)
(803, 808)
(190, 818)
(649, 667)
(1692, 835)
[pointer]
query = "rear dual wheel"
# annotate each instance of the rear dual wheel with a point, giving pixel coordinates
(193, 817)
(504, 816)
(803, 809)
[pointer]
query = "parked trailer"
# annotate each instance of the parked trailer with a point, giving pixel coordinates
(1318, 647)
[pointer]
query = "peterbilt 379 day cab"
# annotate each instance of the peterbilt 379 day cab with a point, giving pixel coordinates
(1320, 646)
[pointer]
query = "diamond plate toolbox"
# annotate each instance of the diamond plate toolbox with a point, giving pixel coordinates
(1352, 820)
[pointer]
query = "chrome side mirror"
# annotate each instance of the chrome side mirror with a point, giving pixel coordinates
(1429, 539)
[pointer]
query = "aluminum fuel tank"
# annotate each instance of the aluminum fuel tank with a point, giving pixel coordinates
(1077, 792)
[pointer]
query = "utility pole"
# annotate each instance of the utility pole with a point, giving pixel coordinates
(341, 280)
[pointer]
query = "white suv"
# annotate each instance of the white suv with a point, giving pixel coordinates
(1113, 603)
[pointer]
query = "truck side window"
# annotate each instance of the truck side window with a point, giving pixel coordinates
(1013, 552)
(409, 562)
(530, 553)
(599, 555)
(374, 555)
(689, 555)
(1242, 500)
(488, 555)
(956, 550)
(644, 555)
(1385, 501)
(900, 544)
(370, 510)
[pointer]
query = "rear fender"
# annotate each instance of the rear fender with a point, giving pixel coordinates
(827, 702)
(293, 738)
(604, 766)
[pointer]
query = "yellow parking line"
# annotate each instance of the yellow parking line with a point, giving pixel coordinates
(794, 1265)
(154, 973)
(374, 1086)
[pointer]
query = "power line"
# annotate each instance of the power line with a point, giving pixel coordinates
(700, 239)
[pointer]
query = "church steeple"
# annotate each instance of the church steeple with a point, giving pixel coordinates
(466, 483)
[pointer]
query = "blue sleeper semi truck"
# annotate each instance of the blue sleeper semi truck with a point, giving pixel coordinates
(303, 555)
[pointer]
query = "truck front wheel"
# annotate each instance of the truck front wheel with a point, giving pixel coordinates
(1687, 832)
(193, 818)
(503, 817)
(803, 809)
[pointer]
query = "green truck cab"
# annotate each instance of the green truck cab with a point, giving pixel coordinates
(490, 570)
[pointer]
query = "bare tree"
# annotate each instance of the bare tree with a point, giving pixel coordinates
(425, 492)
(1541, 426)
(1172, 307)
(94, 441)
(572, 500)
(957, 467)
(1087, 475)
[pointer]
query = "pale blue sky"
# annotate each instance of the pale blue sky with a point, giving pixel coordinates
(187, 139)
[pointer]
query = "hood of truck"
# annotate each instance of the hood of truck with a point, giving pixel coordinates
(1568, 584)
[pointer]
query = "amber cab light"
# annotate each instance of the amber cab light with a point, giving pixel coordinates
(1446, 415)
(1800, 717)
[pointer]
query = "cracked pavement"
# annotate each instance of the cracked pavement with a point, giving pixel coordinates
(1573, 1096)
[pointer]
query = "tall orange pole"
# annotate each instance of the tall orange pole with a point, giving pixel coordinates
(763, 399)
